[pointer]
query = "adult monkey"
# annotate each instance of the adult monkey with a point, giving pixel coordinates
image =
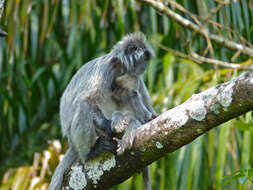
(88, 103)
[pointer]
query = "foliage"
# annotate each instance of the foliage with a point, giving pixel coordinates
(35, 176)
(242, 175)
(49, 40)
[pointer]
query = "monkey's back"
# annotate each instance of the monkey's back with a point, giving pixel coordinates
(85, 85)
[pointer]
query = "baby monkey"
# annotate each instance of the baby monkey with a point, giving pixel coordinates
(128, 119)
(124, 122)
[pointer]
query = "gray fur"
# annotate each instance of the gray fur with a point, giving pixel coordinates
(87, 104)
(69, 157)
(129, 95)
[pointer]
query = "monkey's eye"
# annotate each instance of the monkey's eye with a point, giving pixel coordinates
(131, 49)
(135, 93)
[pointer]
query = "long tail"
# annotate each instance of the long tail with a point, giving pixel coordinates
(57, 178)
(146, 178)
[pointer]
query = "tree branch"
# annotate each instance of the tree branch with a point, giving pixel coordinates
(167, 133)
(201, 30)
(200, 59)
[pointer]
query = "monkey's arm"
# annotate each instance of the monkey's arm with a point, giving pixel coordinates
(101, 122)
(145, 97)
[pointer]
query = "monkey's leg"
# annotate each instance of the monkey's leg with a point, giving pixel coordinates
(81, 138)
(82, 133)
(89, 125)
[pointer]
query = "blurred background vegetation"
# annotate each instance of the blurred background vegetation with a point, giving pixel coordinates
(49, 40)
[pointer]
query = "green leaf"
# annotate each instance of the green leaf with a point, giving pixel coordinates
(37, 74)
(250, 172)
(231, 178)
(243, 126)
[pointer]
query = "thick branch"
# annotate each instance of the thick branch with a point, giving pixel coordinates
(201, 30)
(167, 133)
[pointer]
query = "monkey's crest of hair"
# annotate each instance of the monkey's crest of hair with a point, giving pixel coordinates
(133, 48)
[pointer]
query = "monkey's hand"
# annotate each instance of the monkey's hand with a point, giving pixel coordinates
(120, 147)
(119, 124)
(119, 127)
(153, 117)
(126, 142)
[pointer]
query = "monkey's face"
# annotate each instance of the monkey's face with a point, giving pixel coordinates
(134, 53)
(138, 54)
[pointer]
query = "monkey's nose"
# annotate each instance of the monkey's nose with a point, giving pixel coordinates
(147, 55)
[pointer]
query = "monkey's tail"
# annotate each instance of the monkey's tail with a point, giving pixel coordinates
(56, 181)
(146, 178)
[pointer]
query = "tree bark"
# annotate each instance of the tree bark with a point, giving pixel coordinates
(167, 133)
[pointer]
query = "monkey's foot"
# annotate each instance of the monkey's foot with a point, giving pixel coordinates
(120, 147)
(153, 117)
